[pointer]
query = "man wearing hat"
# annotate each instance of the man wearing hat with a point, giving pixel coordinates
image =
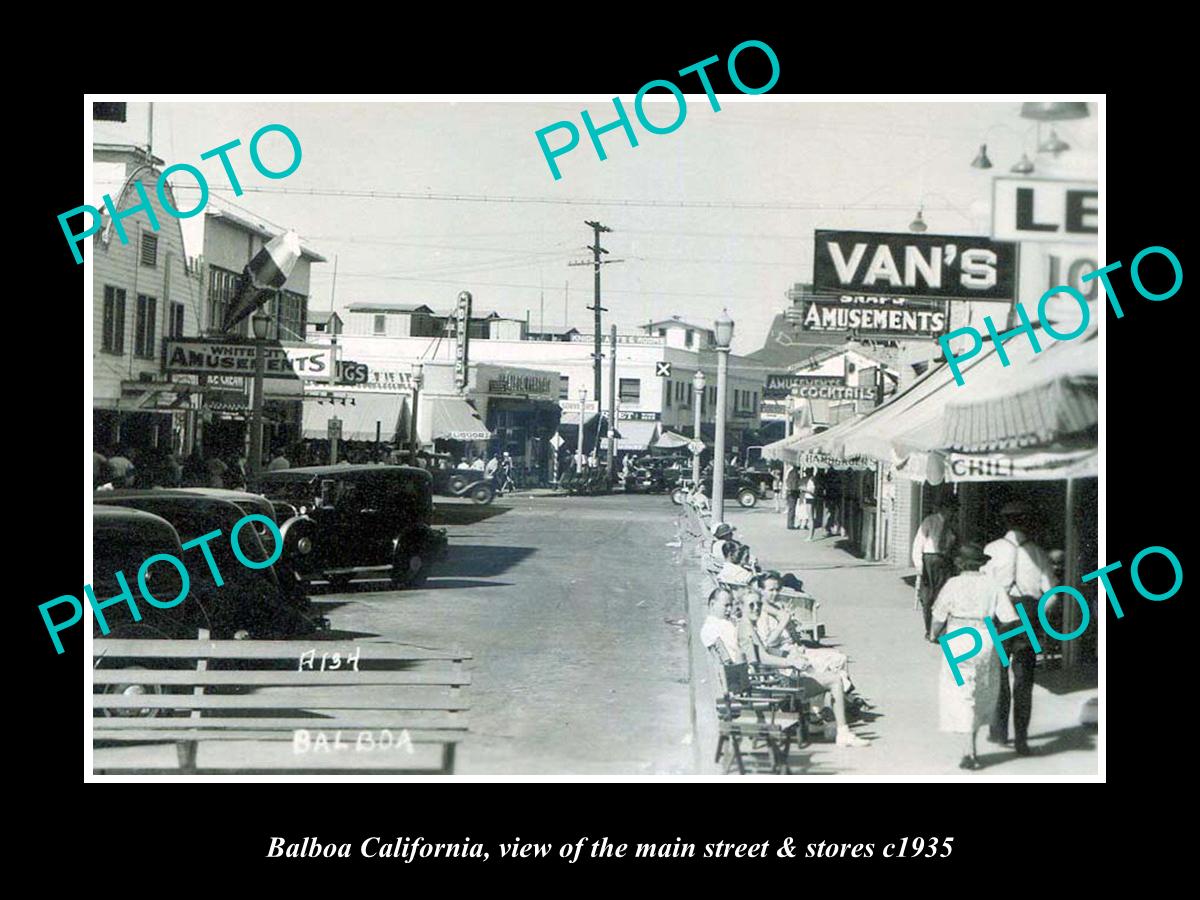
(932, 551)
(1024, 571)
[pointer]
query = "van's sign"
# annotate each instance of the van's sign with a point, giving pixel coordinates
(930, 266)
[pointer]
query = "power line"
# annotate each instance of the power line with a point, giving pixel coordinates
(565, 201)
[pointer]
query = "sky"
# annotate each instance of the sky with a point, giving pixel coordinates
(865, 166)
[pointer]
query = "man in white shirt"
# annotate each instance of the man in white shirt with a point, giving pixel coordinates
(718, 629)
(478, 464)
(931, 552)
(1023, 569)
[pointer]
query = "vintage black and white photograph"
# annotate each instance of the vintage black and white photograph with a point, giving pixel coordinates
(699, 433)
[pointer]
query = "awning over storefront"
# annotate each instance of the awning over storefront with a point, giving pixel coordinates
(636, 435)
(1056, 394)
(450, 418)
(360, 415)
(1037, 423)
(672, 441)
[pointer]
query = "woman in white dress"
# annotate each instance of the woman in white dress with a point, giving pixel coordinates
(965, 601)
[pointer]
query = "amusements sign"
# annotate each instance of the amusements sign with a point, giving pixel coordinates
(824, 387)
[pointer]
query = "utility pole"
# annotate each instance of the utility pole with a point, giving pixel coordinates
(596, 263)
(612, 402)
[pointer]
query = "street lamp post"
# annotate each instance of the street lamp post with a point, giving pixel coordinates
(724, 334)
(697, 397)
(579, 446)
(261, 322)
(412, 420)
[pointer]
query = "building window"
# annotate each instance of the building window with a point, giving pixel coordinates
(380, 325)
(149, 250)
(222, 286)
(479, 329)
(143, 331)
(754, 402)
(630, 390)
(425, 325)
(704, 403)
(175, 326)
(662, 332)
(691, 337)
(113, 338)
(291, 313)
(670, 387)
(564, 387)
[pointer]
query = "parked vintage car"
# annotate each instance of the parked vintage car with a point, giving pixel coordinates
(367, 518)
(122, 539)
(258, 603)
(737, 486)
(463, 483)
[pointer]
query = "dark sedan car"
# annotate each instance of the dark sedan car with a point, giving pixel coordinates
(253, 602)
(367, 518)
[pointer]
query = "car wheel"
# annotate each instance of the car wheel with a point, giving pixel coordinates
(747, 497)
(677, 496)
(411, 574)
(131, 690)
(457, 483)
(482, 493)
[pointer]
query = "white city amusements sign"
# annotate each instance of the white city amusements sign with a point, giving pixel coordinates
(204, 356)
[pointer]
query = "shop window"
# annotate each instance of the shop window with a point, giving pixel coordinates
(175, 325)
(143, 332)
(149, 250)
(630, 390)
(113, 338)
(564, 387)
(222, 286)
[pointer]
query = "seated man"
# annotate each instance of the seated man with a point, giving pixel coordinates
(725, 568)
(751, 647)
(718, 629)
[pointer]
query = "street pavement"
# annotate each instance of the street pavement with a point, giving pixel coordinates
(568, 606)
(574, 610)
(868, 610)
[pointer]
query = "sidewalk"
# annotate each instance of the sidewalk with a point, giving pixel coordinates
(868, 612)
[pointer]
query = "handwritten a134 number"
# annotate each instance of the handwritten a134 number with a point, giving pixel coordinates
(918, 846)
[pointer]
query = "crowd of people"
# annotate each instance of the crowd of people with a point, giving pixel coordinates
(754, 616)
(959, 584)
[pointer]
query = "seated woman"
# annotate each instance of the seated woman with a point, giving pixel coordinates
(752, 647)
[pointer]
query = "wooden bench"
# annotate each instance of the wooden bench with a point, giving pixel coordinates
(276, 707)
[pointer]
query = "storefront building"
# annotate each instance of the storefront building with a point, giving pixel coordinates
(143, 291)
(227, 243)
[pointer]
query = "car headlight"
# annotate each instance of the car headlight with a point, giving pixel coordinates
(304, 545)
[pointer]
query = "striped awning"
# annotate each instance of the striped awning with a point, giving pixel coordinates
(1053, 396)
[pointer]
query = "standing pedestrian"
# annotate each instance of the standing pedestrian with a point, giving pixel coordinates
(506, 468)
(965, 601)
(809, 499)
(278, 461)
(1022, 569)
(932, 553)
(777, 487)
(792, 485)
